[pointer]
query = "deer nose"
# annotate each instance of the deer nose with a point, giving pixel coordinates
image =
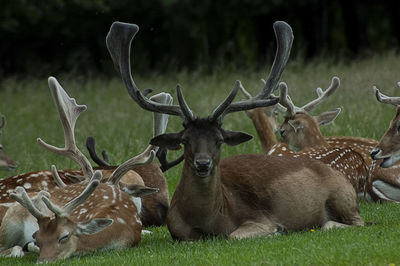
(374, 153)
(202, 163)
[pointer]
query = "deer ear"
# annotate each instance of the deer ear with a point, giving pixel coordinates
(139, 190)
(171, 141)
(233, 138)
(94, 226)
(327, 117)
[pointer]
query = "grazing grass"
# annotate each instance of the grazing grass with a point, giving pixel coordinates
(123, 129)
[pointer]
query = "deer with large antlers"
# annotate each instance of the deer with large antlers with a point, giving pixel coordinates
(119, 198)
(300, 136)
(6, 162)
(154, 206)
(245, 195)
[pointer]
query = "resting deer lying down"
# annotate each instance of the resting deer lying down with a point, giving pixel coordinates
(94, 216)
(154, 206)
(6, 163)
(300, 132)
(245, 195)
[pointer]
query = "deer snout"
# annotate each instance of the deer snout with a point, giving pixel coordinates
(202, 163)
(203, 166)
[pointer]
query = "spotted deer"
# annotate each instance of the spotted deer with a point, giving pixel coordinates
(77, 218)
(300, 127)
(6, 162)
(154, 206)
(246, 195)
(388, 149)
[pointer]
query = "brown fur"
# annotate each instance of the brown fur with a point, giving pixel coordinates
(264, 190)
(101, 204)
(154, 206)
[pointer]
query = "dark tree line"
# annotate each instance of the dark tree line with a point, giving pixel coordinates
(68, 35)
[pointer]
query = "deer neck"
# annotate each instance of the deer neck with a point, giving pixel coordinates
(200, 199)
(264, 129)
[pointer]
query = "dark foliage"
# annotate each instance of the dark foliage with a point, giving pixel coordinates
(44, 36)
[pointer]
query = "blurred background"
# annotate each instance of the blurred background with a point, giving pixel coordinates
(42, 36)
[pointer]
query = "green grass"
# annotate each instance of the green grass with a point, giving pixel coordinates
(124, 130)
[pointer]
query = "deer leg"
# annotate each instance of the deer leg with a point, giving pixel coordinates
(343, 203)
(254, 229)
(332, 224)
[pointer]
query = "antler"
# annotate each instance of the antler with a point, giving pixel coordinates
(91, 146)
(119, 40)
(386, 99)
(22, 197)
(322, 95)
(285, 100)
(284, 39)
(56, 177)
(145, 157)
(291, 109)
(71, 205)
(69, 112)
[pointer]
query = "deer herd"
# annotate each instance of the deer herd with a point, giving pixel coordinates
(305, 180)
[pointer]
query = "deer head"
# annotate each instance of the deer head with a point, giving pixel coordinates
(388, 148)
(201, 137)
(301, 130)
(6, 163)
(58, 236)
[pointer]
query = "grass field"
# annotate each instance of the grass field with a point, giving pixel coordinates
(123, 129)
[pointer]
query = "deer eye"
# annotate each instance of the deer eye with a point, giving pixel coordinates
(63, 239)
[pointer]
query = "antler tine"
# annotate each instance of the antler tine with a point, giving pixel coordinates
(91, 146)
(221, 109)
(22, 197)
(188, 114)
(384, 98)
(118, 41)
(162, 157)
(144, 158)
(322, 95)
(85, 194)
(69, 112)
(285, 100)
(284, 39)
(3, 122)
(56, 177)
(245, 92)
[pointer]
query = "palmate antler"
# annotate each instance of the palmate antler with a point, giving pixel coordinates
(69, 112)
(119, 41)
(22, 197)
(386, 99)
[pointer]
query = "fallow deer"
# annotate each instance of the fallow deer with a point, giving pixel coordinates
(300, 132)
(6, 162)
(388, 148)
(90, 219)
(154, 206)
(245, 195)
